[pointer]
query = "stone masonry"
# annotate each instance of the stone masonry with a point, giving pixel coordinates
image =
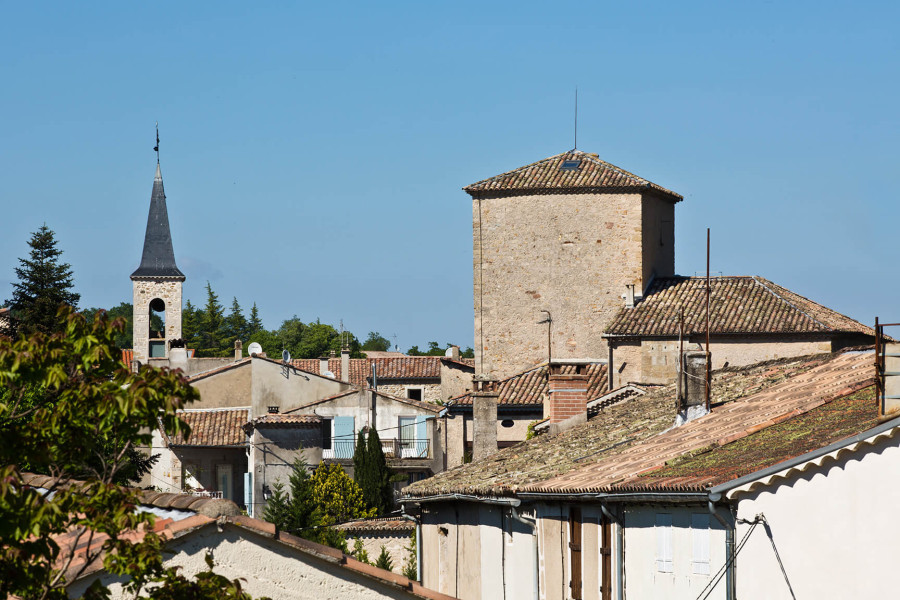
(569, 253)
(144, 292)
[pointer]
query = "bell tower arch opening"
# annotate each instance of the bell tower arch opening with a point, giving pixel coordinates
(157, 328)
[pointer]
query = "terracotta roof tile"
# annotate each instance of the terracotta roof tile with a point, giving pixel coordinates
(798, 395)
(745, 305)
(743, 398)
(391, 367)
(284, 420)
(591, 173)
(530, 387)
(398, 524)
(213, 427)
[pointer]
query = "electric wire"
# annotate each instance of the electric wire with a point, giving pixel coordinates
(718, 576)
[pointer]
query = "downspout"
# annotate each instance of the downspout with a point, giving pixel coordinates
(619, 567)
(532, 523)
(418, 523)
(729, 547)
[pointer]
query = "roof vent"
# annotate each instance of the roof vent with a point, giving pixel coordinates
(570, 165)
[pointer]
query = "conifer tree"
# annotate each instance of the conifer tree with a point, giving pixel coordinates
(236, 326)
(376, 484)
(190, 324)
(212, 320)
(44, 284)
(384, 560)
(361, 465)
(254, 325)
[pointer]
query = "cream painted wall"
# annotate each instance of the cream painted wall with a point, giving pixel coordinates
(834, 527)
(266, 567)
(643, 577)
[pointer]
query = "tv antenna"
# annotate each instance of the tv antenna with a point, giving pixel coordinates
(576, 117)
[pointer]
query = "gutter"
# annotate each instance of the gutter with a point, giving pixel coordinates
(462, 498)
(621, 497)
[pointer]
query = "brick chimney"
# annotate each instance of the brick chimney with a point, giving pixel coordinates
(568, 398)
(484, 416)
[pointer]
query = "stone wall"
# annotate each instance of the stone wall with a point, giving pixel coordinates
(143, 293)
(654, 361)
(431, 392)
(456, 380)
(229, 388)
(395, 542)
(571, 254)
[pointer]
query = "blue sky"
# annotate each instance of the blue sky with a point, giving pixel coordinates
(313, 154)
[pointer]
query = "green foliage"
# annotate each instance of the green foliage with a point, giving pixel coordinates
(384, 560)
(190, 324)
(211, 326)
(360, 553)
(236, 326)
(375, 341)
(529, 432)
(377, 489)
(361, 464)
(434, 349)
(254, 324)
(299, 513)
(44, 284)
(89, 403)
(338, 496)
(410, 567)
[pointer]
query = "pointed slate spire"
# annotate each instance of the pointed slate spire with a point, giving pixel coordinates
(158, 260)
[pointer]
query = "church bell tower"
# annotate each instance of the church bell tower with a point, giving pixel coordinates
(156, 284)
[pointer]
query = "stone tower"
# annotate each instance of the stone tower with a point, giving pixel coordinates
(157, 283)
(571, 235)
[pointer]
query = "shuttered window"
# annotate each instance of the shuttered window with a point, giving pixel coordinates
(664, 543)
(700, 535)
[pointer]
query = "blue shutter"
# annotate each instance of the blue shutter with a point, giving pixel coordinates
(344, 440)
(421, 437)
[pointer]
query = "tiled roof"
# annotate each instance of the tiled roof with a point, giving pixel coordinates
(392, 367)
(744, 305)
(468, 363)
(529, 388)
(284, 420)
(127, 357)
(743, 397)
(435, 408)
(395, 524)
(846, 373)
(793, 437)
(213, 427)
(546, 175)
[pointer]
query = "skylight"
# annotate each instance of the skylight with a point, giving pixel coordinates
(570, 165)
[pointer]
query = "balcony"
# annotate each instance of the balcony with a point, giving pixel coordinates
(393, 449)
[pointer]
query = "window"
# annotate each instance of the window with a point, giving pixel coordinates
(664, 543)
(223, 480)
(700, 535)
(414, 393)
(570, 165)
(326, 434)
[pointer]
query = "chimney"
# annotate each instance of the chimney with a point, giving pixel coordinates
(692, 403)
(452, 352)
(323, 365)
(568, 398)
(238, 350)
(178, 359)
(345, 364)
(484, 415)
(629, 295)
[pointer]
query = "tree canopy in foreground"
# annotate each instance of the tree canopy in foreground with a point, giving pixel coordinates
(89, 403)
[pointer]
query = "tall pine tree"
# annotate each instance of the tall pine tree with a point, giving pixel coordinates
(212, 322)
(44, 284)
(254, 325)
(236, 326)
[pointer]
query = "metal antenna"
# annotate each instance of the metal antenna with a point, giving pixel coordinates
(156, 147)
(576, 118)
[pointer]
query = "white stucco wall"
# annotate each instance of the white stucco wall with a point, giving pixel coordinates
(646, 578)
(267, 568)
(834, 527)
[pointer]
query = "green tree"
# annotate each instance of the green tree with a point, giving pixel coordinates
(338, 496)
(212, 323)
(44, 284)
(384, 560)
(89, 402)
(190, 325)
(410, 567)
(375, 341)
(236, 326)
(378, 491)
(254, 324)
(360, 553)
(361, 464)
(124, 311)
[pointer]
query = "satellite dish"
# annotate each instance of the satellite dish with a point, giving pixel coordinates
(329, 374)
(254, 348)
(285, 356)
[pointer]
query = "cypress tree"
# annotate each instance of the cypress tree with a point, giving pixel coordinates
(379, 476)
(44, 284)
(254, 325)
(361, 466)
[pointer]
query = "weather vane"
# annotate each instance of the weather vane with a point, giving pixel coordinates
(156, 147)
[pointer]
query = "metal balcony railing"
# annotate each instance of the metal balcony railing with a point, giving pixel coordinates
(206, 494)
(393, 449)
